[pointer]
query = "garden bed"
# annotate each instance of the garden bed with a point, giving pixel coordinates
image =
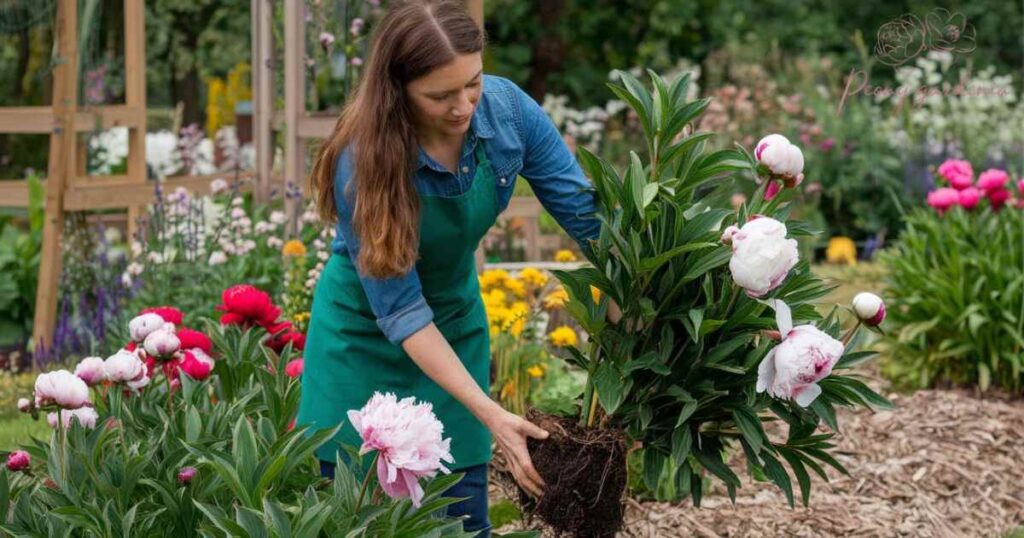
(943, 463)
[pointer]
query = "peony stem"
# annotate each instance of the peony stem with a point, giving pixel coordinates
(849, 335)
(366, 481)
(593, 408)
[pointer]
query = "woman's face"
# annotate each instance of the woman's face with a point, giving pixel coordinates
(443, 101)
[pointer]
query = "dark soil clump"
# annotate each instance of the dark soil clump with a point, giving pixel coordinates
(585, 474)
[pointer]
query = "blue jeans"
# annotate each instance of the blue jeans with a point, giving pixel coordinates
(472, 485)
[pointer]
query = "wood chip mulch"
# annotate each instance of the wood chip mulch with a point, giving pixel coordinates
(942, 463)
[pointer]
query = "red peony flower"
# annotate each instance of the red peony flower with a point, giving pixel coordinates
(294, 368)
(130, 346)
(191, 338)
(247, 306)
(169, 313)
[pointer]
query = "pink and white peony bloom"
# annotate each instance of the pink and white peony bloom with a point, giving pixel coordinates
(761, 255)
(90, 370)
(86, 416)
(870, 308)
(792, 369)
(24, 405)
(61, 388)
(407, 438)
(124, 366)
(142, 325)
(784, 159)
(162, 343)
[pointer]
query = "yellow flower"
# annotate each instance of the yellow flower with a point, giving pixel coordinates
(499, 317)
(563, 336)
(533, 277)
(517, 318)
(556, 299)
(494, 299)
(841, 250)
(516, 287)
(293, 247)
(301, 317)
(565, 256)
(493, 278)
(596, 294)
(535, 371)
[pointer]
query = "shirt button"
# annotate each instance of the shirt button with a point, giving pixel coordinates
(501, 180)
(465, 169)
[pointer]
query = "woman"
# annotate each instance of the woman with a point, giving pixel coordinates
(423, 159)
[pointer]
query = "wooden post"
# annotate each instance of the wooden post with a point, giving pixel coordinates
(294, 101)
(61, 166)
(263, 94)
(135, 98)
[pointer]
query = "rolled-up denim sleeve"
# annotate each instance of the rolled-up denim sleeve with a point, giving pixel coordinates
(556, 177)
(397, 302)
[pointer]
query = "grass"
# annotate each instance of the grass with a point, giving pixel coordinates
(19, 430)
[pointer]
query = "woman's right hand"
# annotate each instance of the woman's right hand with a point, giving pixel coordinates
(510, 431)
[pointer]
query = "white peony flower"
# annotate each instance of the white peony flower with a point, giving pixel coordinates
(61, 388)
(86, 416)
(140, 326)
(90, 370)
(869, 308)
(784, 159)
(792, 369)
(162, 343)
(124, 366)
(761, 255)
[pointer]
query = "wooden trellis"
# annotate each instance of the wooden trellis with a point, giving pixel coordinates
(69, 188)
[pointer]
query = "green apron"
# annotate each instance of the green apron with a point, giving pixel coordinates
(347, 357)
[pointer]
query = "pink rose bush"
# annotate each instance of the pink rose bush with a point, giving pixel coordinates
(407, 439)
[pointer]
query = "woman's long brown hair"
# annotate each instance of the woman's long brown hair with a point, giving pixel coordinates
(413, 38)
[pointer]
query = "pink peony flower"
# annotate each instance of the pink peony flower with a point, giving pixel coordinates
(1020, 185)
(162, 343)
(943, 199)
(61, 388)
(294, 368)
(407, 438)
(186, 474)
(761, 255)
(24, 405)
(969, 197)
(18, 460)
(90, 370)
(792, 369)
(784, 159)
(958, 173)
(993, 180)
(86, 416)
(870, 308)
(140, 326)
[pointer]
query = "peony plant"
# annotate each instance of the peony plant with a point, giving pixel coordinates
(703, 331)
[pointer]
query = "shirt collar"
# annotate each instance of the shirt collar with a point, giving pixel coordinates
(479, 128)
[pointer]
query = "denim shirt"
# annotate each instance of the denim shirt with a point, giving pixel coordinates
(518, 139)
